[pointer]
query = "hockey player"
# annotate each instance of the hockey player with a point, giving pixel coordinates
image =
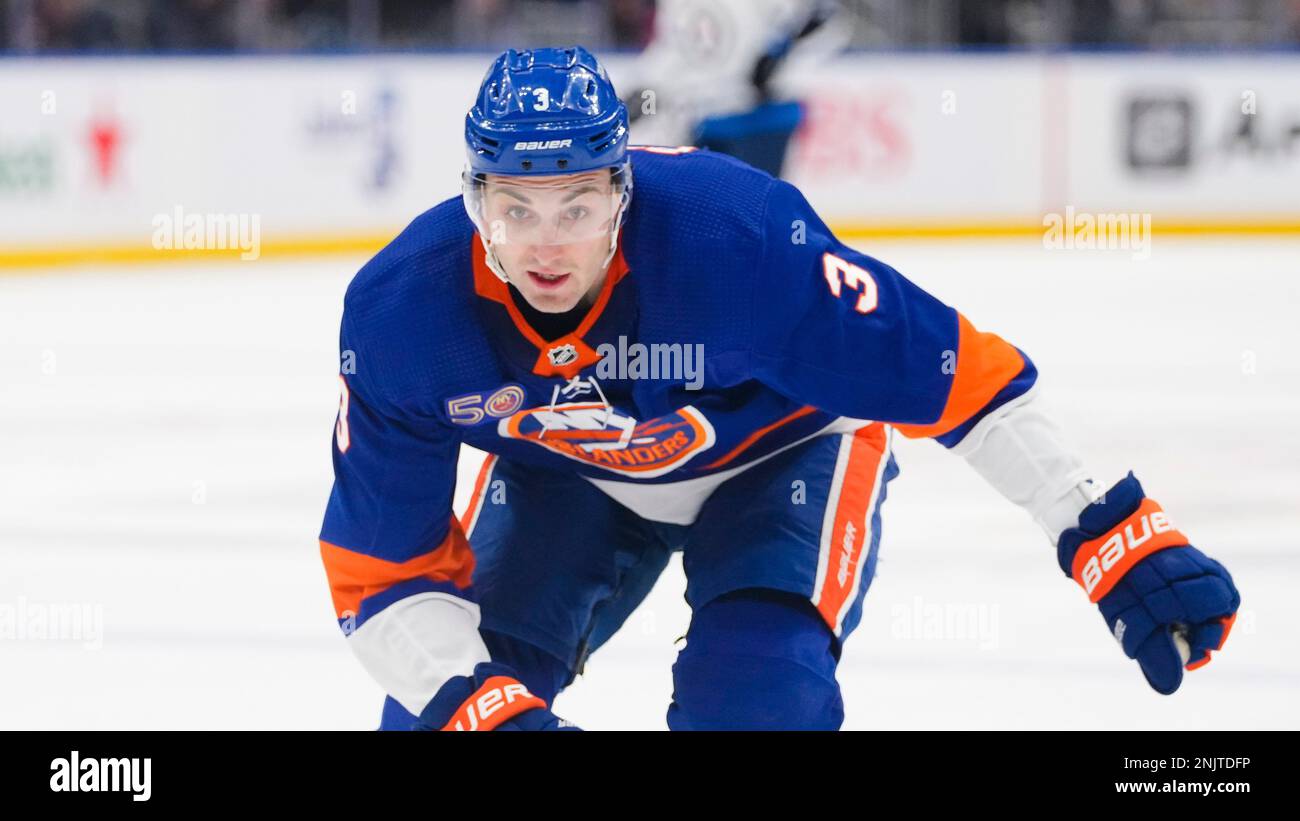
(491, 321)
(712, 74)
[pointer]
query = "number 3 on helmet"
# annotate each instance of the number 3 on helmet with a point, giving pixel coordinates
(547, 112)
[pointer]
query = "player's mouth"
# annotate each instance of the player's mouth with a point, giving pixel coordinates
(547, 280)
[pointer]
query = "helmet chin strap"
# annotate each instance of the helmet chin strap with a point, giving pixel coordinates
(613, 236)
(493, 264)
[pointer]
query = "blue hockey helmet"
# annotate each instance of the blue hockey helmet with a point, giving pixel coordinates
(547, 112)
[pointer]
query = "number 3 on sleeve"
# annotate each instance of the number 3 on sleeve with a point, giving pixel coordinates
(840, 272)
(341, 429)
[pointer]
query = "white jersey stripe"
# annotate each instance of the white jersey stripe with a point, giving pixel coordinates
(828, 517)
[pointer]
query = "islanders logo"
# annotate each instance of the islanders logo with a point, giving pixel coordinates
(599, 435)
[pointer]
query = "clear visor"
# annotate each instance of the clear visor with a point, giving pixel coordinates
(554, 210)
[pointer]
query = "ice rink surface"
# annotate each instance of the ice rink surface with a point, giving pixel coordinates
(165, 460)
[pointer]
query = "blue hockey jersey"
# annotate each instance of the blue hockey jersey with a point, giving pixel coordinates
(732, 324)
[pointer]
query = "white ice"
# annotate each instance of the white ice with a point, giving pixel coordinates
(164, 462)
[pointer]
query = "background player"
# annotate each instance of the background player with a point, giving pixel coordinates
(712, 74)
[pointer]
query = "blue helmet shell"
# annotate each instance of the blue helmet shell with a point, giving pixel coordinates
(546, 111)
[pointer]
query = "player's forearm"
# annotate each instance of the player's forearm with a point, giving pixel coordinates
(1168, 604)
(1020, 450)
(416, 644)
(409, 622)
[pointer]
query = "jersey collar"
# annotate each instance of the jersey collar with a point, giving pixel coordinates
(569, 354)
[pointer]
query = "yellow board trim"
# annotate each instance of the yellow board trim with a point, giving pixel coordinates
(311, 245)
(306, 245)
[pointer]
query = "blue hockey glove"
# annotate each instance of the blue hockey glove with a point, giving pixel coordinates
(1167, 603)
(491, 699)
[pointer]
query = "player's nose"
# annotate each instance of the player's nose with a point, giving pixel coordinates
(546, 254)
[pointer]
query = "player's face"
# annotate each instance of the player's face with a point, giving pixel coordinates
(551, 235)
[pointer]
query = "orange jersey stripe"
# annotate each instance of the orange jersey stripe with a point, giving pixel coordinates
(851, 531)
(489, 286)
(476, 498)
(355, 576)
(986, 363)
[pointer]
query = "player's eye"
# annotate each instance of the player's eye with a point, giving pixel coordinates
(577, 212)
(518, 212)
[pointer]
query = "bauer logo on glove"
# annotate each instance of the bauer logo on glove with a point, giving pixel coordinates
(1167, 603)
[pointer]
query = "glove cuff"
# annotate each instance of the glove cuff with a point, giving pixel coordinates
(484, 701)
(1114, 533)
(1114, 506)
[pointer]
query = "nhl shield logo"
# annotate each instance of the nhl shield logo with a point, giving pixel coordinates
(562, 355)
